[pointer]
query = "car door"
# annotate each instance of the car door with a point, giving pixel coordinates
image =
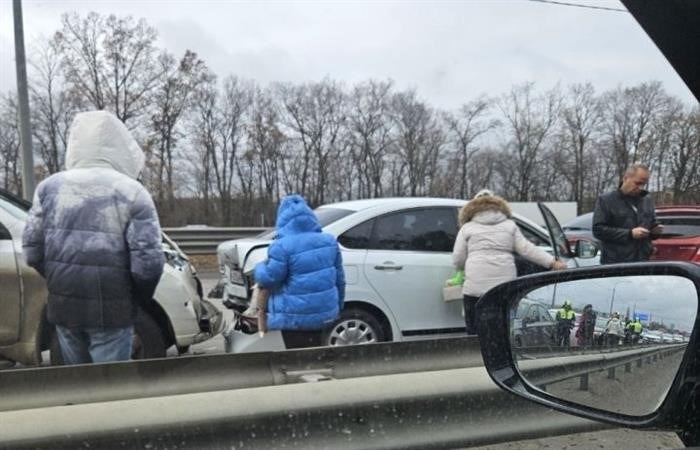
(560, 246)
(409, 258)
(10, 294)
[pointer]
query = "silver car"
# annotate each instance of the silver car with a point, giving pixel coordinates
(396, 255)
(179, 315)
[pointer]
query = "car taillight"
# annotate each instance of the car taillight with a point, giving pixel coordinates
(696, 257)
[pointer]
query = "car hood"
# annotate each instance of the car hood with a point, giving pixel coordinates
(237, 253)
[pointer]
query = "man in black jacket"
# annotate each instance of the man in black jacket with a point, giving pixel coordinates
(624, 220)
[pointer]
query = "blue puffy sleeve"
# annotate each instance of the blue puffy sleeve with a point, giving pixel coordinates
(272, 273)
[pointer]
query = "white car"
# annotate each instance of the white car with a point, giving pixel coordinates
(396, 256)
(179, 315)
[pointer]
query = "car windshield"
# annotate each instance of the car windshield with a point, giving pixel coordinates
(325, 216)
(419, 106)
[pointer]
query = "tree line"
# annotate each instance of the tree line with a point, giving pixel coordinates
(224, 150)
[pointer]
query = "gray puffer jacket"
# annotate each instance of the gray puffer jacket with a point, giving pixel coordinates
(486, 244)
(93, 231)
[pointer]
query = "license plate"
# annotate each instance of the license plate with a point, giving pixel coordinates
(236, 276)
(238, 291)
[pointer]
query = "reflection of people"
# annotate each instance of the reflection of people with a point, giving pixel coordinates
(635, 328)
(624, 220)
(614, 330)
(93, 233)
(303, 272)
(484, 249)
(565, 323)
(586, 327)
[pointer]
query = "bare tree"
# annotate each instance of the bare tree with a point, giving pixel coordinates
(582, 118)
(315, 114)
(465, 127)
(10, 144)
(684, 157)
(110, 61)
(370, 134)
(530, 121)
(629, 116)
(419, 140)
(53, 106)
(170, 99)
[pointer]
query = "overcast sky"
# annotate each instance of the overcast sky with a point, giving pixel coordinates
(449, 51)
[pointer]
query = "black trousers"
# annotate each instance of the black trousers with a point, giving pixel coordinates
(469, 303)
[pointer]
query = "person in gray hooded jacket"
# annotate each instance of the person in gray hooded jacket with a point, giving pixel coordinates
(93, 234)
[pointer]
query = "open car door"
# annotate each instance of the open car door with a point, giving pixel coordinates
(560, 246)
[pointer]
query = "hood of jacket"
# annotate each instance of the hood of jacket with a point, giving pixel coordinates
(99, 139)
(494, 209)
(294, 216)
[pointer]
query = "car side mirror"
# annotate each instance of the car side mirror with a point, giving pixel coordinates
(585, 249)
(616, 379)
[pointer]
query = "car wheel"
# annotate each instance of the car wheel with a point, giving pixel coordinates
(148, 341)
(354, 326)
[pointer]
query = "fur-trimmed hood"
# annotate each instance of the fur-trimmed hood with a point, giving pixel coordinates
(483, 204)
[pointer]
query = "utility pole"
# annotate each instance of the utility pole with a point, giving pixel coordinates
(28, 182)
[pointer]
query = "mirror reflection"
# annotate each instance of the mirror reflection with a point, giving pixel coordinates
(612, 343)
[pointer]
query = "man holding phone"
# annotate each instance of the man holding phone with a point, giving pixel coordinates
(625, 221)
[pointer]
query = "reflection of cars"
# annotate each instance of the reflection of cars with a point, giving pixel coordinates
(178, 316)
(396, 254)
(651, 337)
(533, 325)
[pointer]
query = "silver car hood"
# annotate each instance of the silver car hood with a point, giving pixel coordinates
(242, 253)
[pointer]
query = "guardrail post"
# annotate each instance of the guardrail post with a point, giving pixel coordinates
(648, 359)
(656, 357)
(611, 373)
(584, 382)
(640, 362)
(628, 367)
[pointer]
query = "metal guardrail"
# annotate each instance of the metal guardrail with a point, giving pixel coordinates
(195, 240)
(421, 394)
(560, 367)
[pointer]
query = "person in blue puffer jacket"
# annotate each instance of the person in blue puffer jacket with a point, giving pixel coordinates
(303, 272)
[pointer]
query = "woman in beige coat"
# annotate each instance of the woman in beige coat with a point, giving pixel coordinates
(485, 246)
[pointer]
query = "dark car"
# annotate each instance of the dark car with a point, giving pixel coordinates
(533, 325)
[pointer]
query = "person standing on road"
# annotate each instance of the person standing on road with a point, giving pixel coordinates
(303, 273)
(93, 234)
(484, 249)
(566, 318)
(624, 220)
(614, 330)
(586, 327)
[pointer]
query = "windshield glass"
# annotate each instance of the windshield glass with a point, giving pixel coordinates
(325, 216)
(12, 208)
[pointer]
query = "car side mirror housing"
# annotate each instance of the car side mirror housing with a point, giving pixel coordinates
(586, 249)
(607, 374)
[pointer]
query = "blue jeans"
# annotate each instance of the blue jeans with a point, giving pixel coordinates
(95, 345)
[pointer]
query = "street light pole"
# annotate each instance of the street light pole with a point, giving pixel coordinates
(612, 299)
(23, 97)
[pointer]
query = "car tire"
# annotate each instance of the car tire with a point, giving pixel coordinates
(352, 327)
(148, 341)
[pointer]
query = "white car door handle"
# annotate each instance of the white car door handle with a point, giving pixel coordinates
(388, 266)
